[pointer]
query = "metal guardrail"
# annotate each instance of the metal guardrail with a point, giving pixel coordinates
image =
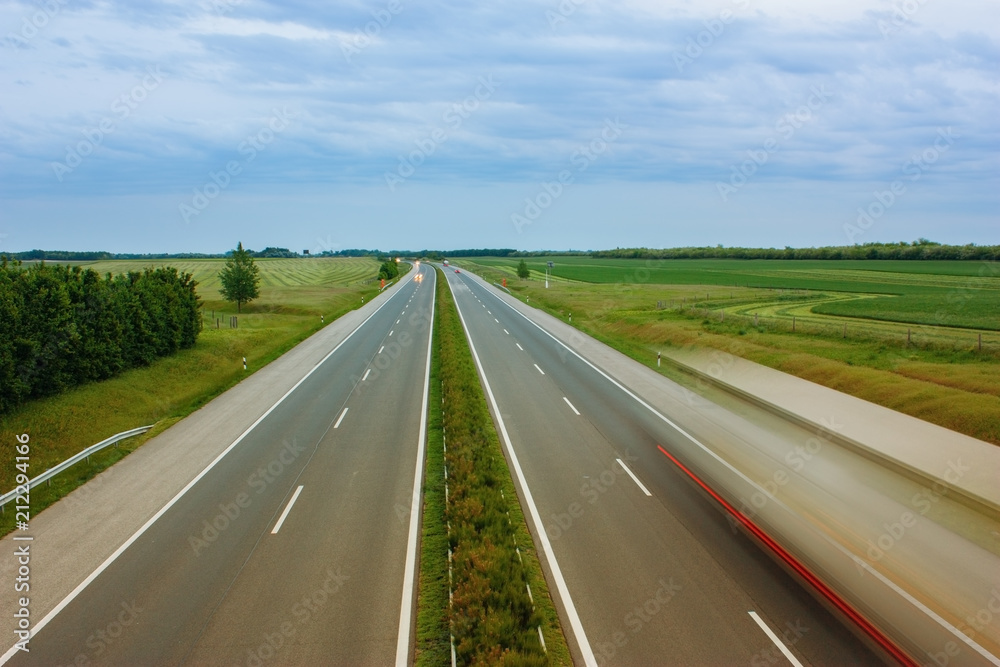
(504, 288)
(85, 454)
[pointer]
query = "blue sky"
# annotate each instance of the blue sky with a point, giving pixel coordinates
(584, 124)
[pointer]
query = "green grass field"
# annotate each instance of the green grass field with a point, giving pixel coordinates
(946, 293)
(295, 293)
(898, 333)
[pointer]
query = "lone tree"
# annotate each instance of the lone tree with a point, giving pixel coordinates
(522, 270)
(388, 270)
(240, 278)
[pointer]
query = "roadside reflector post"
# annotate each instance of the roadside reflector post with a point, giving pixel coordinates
(244, 363)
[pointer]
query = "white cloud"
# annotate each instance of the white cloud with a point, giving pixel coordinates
(227, 25)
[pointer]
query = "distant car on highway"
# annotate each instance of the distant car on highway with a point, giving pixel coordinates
(457, 271)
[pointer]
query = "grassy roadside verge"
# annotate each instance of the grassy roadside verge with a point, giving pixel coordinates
(471, 509)
(166, 391)
(953, 388)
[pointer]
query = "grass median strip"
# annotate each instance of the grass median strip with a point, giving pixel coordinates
(480, 579)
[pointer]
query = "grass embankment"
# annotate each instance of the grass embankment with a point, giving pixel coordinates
(288, 312)
(949, 383)
(471, 509)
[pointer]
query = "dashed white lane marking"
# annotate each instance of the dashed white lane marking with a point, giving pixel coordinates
(634, 478)
(288, 508)
(774, 638)
(341, 418)
(571, 406)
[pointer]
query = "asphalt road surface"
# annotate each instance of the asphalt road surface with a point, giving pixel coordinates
(654, 572)
(294, 547)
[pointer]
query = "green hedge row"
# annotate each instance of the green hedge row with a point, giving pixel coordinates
(61, 326)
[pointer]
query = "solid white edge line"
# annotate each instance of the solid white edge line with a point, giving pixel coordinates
(540, 370)
(412, 544)
(571, 406)
(341, 418)
(366, 375)
(567, 600)
(774, 638)
(634, 478)
(288, 508)
(170, 503)
(960, 636)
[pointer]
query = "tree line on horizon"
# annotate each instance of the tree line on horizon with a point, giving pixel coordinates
(63, 326)
(100, 255)
(921, 249)
(917, 250)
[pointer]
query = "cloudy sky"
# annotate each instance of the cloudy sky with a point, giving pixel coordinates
(185, 126)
